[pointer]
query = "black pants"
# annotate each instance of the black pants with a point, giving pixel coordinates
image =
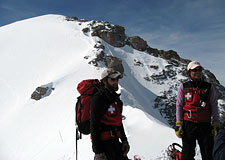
(202, 132)
(113, 150)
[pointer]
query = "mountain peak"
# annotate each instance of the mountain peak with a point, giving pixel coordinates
(115, 36)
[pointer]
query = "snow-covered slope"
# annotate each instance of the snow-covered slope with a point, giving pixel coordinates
(51, 50)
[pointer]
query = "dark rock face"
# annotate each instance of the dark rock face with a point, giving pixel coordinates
(75, 19)
(85, 30)
(72, 18)
(109, 61)
(114, 35)
(99, 57)
(99, 46)
(169, 55)
(42, 91)
(167, 107)
(38, 93)
(137, 43)
(99, 54)
(210, 77)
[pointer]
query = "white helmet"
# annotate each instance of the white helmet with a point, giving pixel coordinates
(193, 65)
(110, 72)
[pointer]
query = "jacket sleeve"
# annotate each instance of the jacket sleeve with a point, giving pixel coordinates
(180, 104)
(214, 104)
(97, 111)
(123, 135)
(219, 143)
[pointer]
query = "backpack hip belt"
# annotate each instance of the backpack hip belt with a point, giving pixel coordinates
(110, 135)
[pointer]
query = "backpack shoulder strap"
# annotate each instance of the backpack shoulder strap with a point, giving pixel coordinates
(207, 87)
(187, 84)
(77, 106)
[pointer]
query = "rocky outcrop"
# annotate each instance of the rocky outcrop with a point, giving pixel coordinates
(137, 43)
(85, 30)
(42, 91)
(171, 56)
(166, 104)
(98, 55)
(109, 61)
(115, 36)
(75, 19)
(112, 34)
(38, 93)
(210, 77)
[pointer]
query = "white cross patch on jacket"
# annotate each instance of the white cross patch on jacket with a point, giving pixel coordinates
(188, 96)
(111, 109)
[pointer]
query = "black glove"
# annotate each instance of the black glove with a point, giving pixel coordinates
(125, 148)
(100, 156)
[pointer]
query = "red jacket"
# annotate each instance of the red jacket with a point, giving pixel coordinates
(113, 115)
(211, 100)
(197, 107)
(106, 118)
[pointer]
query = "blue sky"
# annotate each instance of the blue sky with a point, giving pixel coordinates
(193, 28)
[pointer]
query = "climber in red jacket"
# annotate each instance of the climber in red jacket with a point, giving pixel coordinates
(109, 141)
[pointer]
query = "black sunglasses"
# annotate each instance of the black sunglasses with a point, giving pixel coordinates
(196, 70)
(114, 79)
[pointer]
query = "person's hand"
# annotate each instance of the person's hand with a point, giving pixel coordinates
(125, 148)
(100, 156)
(215, 130)
(178, 129)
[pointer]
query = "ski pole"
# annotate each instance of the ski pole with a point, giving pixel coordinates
(77, 136)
